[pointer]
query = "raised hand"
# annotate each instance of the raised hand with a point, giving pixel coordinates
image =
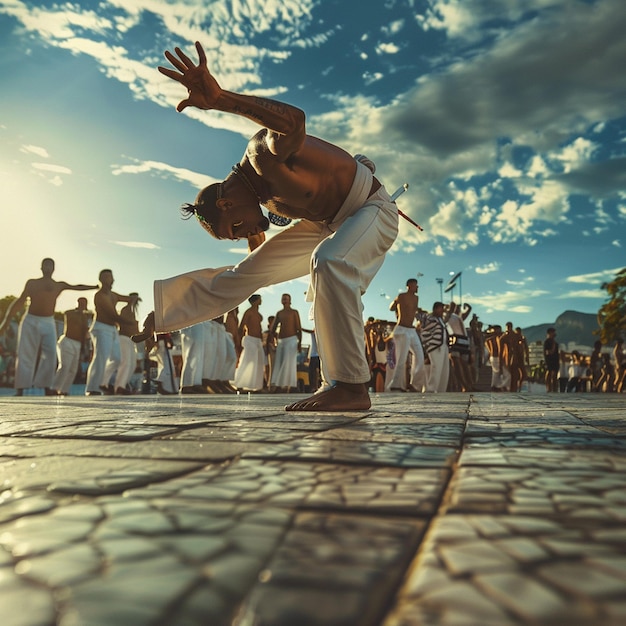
(202, 87)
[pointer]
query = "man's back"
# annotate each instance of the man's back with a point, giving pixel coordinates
(251, 323)
(405, 308)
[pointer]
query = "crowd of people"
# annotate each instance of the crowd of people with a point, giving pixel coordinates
(422, 351)
(222, 355)
(437, 351)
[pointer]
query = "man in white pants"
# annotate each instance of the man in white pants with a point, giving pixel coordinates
(104, 334)
(347, 222)
(192, 346)
(251, 367)
(69, 346)
(285, 370)
(123, 361)
(407, 340)
(37, 335)
(435, 338)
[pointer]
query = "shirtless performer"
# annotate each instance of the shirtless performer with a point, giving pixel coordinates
(70, 345)
(104, 332)
(285, 370)
(37, 331)
(346, 223)
(405, 337)
(251, 369)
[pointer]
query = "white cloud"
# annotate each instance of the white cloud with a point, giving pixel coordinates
(49, 167)
(393, 28)
(37, 150)
(451, 16)
(537, 167)
(582, 293)
(518, 301)
(166, 171)
(509, 171)
(387, 48)
(488, 268)
(594, 277)
(137, 244)
(575, 154)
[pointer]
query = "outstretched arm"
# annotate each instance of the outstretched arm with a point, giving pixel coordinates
(65, 286)
(205, 93)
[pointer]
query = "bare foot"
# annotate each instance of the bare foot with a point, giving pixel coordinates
(341, 397)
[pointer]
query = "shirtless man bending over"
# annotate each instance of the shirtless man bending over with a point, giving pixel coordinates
(347, 222)
(37, 330)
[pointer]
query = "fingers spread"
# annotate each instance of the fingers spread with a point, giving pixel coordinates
(170, 73)
(185, 59)
(174, 61)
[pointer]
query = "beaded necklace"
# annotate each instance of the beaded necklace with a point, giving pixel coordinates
(277, 220)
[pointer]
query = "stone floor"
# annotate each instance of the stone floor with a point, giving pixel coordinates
(494, 509)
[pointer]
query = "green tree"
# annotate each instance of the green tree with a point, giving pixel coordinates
(5, 303)
(612, 314)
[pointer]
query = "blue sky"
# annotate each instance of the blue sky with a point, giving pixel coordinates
(506, 118)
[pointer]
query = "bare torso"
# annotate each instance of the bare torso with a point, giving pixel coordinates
(104, 302)
(251, 323)
(43, 294)
(311, 183)
(405, 306)
(289, 321)
(127, 322)
(76, 324)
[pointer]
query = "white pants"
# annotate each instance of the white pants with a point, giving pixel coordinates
(210, 366)
(342, 258)
(122, 363)
(192, 347)
(36, 336)
(505, 375)
(249, 373)
(105, 339)
(68, 353)
(285, 370)
(439, 370)
(230, 361)
(406, 340)
(219, 352)
(500, 375)
(165, 367)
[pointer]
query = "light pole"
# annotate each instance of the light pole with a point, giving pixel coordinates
(457, 276)
(440, 283)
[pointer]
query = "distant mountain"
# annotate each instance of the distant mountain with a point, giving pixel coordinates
(571, 326)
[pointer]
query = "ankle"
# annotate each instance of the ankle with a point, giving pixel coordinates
(355, 388)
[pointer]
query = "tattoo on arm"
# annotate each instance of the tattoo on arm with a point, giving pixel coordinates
(272, 105)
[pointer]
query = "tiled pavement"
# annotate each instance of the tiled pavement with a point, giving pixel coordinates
(495, 509)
